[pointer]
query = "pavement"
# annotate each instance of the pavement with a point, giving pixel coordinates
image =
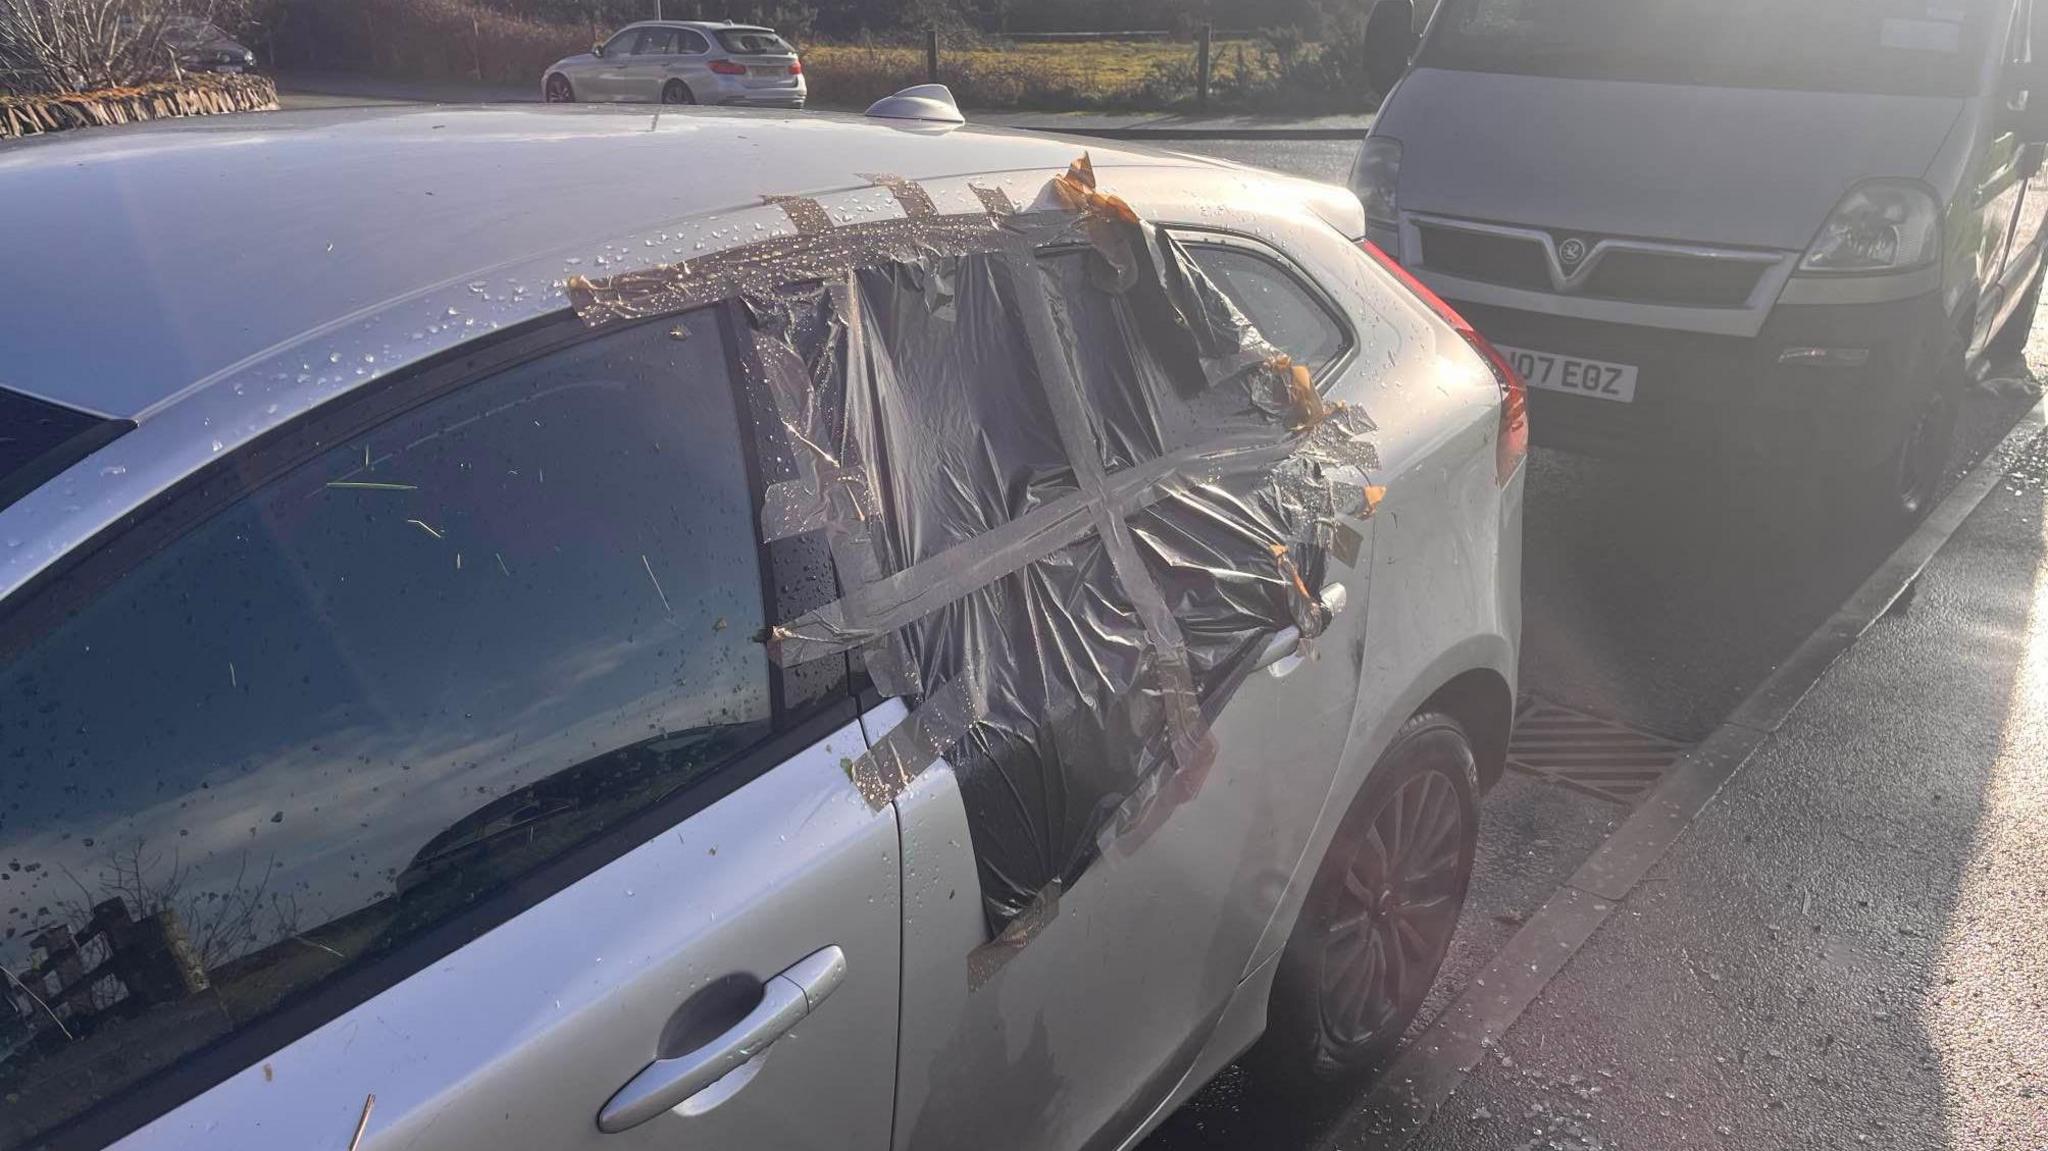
(1849, 947)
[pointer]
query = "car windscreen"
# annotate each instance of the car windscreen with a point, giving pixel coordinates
(1903, 47)
(753, 42)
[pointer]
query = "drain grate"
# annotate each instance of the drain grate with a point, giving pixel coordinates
(1590, 754)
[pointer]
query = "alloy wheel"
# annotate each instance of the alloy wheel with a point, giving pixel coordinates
(1390, 928)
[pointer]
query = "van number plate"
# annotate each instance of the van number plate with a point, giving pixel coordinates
(1555, 373)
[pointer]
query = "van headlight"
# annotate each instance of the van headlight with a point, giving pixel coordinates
(1374, 175)
(1373, 178)
(1880, 226)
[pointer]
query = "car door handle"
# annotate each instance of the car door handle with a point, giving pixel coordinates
(1287, 641)
(666, 1083)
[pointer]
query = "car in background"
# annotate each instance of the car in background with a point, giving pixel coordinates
(1781, 235)
(682, 62)
(201, 46)
(422, 713)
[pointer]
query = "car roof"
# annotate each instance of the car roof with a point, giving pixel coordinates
(162, 255)
(699, 25)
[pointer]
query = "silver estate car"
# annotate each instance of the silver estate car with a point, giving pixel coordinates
(682, 62)
(866, 636)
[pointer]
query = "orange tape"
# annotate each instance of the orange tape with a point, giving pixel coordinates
(1076, 191)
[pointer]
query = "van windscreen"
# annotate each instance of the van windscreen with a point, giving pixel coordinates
(1902, 47)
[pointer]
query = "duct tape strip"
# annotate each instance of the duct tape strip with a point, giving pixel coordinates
(917, 203)
(898, 600)
(881, 774)
(835, 490)
(763, 269)
(807, 214)
(984, 961)
(995, 200)
(1193, 749)
(856, 547)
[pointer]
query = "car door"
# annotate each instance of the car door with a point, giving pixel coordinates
(692, 62)
(441, 795)
(654, 53)
(2023, 259)
(608, 76)
(1073, 1024)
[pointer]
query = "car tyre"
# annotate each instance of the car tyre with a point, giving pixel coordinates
(558, 90)
(677, 92)
(2009, 343)
(1903, 487)
(1379, 916)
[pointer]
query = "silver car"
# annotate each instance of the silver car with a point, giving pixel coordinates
(682, 62)
(577, 642)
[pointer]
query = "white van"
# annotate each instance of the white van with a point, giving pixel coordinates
(1783, 232)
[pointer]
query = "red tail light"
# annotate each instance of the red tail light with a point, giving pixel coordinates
(728, 68)
(1513, 442)
(796, 67)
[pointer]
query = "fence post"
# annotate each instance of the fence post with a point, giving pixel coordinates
(931, 55)
(1202, 69)
(476, 48)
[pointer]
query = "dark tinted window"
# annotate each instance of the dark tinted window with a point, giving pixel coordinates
(691, 42)
(1278, 305)
(363, 698)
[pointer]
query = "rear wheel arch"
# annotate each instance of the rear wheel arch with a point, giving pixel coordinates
(1482, 703)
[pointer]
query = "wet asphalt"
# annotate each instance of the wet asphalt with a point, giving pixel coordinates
(1660, 600)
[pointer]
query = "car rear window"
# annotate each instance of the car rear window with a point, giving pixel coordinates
(753, 42)
(1278, 305)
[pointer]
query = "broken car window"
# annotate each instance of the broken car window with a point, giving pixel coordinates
(1284, 312)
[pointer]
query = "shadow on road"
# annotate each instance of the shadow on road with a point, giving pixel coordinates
(1847, 949)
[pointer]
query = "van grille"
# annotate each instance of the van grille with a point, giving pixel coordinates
(1617, 273)
(1488, 258)
(1669, 278)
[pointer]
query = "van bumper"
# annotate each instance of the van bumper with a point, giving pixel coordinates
(1734, 397)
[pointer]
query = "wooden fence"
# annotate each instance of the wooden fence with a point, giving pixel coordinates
(192, 96)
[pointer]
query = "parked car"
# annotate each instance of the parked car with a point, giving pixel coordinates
(201, 46)
(933, 660)
(1778, 232)
(682, 62)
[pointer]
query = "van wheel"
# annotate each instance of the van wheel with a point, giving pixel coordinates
(2010, 341)
(558, 91)
(677, 92)
(1916, 468)
(1380, 913)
